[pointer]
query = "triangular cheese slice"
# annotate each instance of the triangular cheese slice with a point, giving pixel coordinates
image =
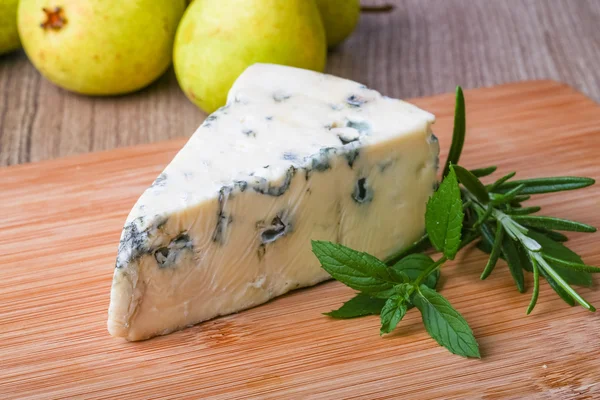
(295, 155)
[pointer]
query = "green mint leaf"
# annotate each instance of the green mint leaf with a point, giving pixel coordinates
(358, 306)
(548, 185)
(481, 172)
(551, 248)
(494, 252)
(444, 216)
(445, 324)
(513, 259)
(500, 181)
(523, 210)
(413, 265)
(472, 183)
(392, 312)
(417, 247)
(458, 134)
(358, 270)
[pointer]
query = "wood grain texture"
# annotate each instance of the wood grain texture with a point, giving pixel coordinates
(61, 222)
(423, 47)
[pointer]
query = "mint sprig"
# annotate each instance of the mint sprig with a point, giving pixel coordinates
(461, 211)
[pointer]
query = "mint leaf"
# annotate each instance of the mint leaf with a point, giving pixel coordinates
(392, 312)
(358, 270)
(445, 324)
(358, 306)
(414, 264)
(444, 216)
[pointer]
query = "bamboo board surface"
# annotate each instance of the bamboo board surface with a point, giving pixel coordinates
(59, 228)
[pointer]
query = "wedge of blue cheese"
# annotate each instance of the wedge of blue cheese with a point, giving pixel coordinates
(295, 155)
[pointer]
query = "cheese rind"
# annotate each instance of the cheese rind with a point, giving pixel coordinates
(294, 155)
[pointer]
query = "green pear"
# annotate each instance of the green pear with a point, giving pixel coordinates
(99, 47)
(217, 40)
(339, 18)
(9, 36)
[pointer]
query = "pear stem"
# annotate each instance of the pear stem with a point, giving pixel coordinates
(386, 8)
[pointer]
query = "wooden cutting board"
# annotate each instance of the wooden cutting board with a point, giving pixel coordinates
(60, 223)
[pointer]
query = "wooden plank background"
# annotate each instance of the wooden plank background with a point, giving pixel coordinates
(424, 47)
(60, 227)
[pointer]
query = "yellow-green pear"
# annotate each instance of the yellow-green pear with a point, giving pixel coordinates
(9, 36)
(99, 47)
(339, 18)
(217, 40)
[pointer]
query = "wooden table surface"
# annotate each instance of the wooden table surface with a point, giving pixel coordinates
(57, 254)
(423, 47)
